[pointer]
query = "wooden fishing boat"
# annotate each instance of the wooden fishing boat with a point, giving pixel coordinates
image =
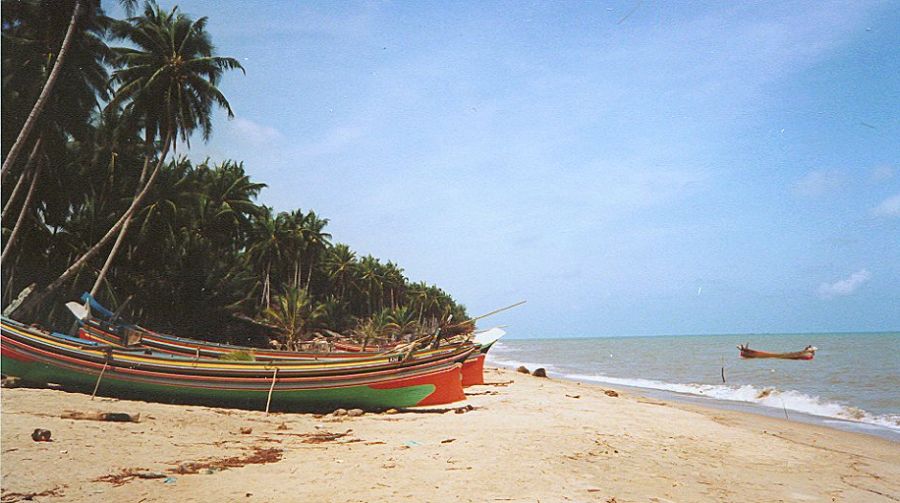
(40, 357)
(146, 359)
(808, 353)
(97, 331)
(128, 335)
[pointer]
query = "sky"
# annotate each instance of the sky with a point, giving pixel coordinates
(627, 167)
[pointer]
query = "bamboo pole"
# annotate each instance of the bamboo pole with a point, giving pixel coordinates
(102, 371)
(472, 320)
(271, 389)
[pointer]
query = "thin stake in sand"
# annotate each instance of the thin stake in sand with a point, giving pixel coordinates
(97, 386)
(271, 388)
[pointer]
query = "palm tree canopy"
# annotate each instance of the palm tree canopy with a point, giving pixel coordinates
(168, 78)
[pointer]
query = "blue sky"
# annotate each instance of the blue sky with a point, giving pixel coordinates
(629, 168)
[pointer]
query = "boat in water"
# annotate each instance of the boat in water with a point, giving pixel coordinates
(807, 353)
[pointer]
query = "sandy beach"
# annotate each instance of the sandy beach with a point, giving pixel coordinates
(518, 438)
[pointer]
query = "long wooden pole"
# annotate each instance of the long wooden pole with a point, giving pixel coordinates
(271, 389)
(97, 386)
(507, 308)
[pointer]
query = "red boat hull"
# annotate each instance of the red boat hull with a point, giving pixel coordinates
(799, 355)
(473, 370)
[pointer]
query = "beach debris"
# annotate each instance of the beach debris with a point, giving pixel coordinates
(501, 383)
(391, 411)
(573, 396)
(9, 382)
(116, 417)
(259, 456)
(411, 443)
(40, 435)
(246, 430)
(482, 393)
(170, 480)
(539, 372)
(318, 437)
(355, 412)
(523, 370)
(463, 409)
(11, 497)
(128, 474)
(609, 392)
(447, 441)
(325, 436)
(282, 426)
(339, 412)
(150, 475)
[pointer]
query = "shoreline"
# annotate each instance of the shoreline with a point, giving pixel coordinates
(716, 404)
(827, 392)
(524, 438)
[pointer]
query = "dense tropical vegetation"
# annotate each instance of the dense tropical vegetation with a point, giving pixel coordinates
(93, 201)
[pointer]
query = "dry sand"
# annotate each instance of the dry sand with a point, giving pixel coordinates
(530, 440)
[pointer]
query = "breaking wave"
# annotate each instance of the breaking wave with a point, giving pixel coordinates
(767, 396)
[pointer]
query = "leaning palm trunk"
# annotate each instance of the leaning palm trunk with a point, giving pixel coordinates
(45, 93)
(24, 211)
(124, 230)
(21, 182)
(35, 299)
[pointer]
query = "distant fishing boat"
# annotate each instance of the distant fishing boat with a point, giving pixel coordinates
(807, 354)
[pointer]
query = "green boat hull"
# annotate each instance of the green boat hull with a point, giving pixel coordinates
(367, 397)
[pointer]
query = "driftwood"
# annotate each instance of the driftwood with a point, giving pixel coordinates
(117, 417)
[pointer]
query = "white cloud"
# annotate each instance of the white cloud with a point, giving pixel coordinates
(890, 207)
(882, 173)
(844, 286)
(334, 140)
(254, 133)
(817, 183)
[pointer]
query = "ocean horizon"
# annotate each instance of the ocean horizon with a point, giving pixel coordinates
(853, 383)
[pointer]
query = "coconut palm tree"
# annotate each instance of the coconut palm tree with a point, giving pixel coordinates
(227, 195)
(169, 82)
(316, 241)
(340, 263)
(370, 280)
(374, 328)
(294, 312)
(50, 82)
(31, 32)
(270, 244)
(403, 321)
(394, 282)
(296, 244)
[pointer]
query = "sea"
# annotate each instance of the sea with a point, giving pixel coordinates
(853, 383)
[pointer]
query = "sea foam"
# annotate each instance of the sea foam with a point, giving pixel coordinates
(764, 396)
